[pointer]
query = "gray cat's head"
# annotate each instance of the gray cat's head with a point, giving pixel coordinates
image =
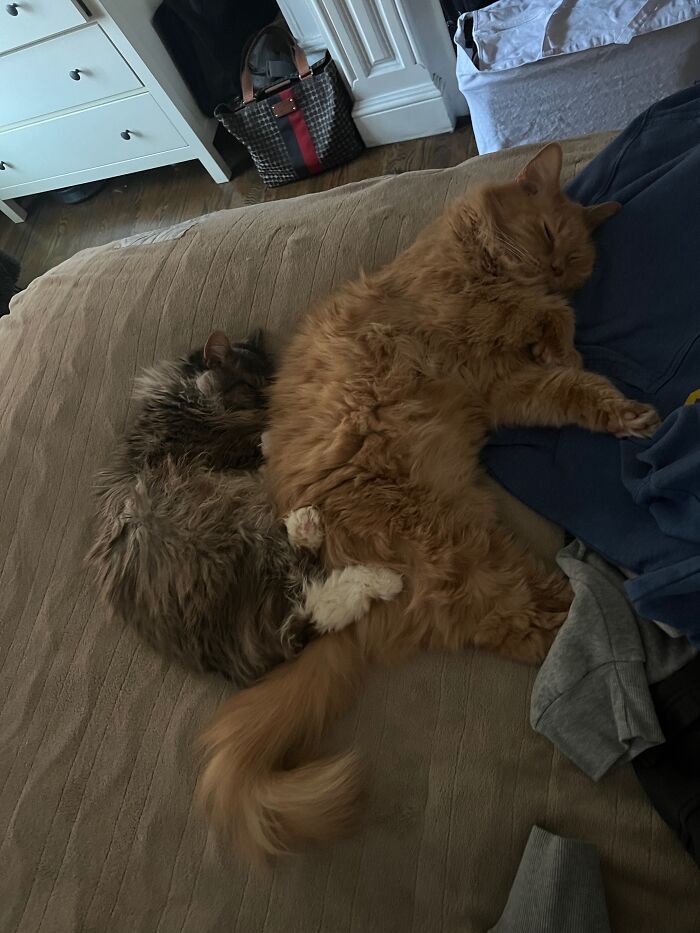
(236, 373)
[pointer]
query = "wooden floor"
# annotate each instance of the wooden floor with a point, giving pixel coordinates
(160, 197)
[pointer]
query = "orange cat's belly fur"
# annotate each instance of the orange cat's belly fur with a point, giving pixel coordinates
(414, 431)
(388, 450)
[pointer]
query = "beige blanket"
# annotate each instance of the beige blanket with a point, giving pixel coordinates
(97, 828)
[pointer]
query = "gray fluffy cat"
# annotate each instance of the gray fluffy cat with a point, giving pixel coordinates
(189, 550)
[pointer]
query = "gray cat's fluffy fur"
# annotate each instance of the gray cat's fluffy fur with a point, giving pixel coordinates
(188, 549)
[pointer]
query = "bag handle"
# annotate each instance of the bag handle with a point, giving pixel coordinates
(300, 60)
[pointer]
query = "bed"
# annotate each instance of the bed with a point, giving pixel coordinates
(97, 772)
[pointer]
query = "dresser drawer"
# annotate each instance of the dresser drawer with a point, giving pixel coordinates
(34, 20)
(61, 73)
(85, 140)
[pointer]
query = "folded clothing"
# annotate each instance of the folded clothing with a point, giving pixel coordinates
(558, 889)
(637, 324)
(663, 476)
(591, 696)
(516, 32)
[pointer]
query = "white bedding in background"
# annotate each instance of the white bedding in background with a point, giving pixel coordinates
(528, 84)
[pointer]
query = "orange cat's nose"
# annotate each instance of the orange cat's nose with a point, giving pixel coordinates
(557, 269)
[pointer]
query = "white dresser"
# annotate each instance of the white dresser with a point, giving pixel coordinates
(88, 91)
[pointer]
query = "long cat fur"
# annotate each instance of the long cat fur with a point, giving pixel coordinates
(189, 549)
(405, 372)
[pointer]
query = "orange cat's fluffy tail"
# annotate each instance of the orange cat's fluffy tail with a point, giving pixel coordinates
(259, 782)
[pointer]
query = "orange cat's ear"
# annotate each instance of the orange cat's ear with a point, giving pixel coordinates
(541, 174)
(599, 213)
(216, 349)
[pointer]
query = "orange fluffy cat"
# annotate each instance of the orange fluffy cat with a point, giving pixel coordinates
(381, 407)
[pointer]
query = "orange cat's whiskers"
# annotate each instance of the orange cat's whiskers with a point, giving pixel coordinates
(516, 248)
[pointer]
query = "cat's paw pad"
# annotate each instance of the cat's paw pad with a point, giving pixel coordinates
(382, 582)
(633, 419)
(305, 528)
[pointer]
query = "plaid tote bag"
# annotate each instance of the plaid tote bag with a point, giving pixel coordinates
(297, 127)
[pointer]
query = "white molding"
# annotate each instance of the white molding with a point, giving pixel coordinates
(401, 115)
(396, 57)
(304, 24)
(434, 48)
(376, 40)
(392, 100)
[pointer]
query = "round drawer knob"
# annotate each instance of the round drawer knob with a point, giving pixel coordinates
(2, 166)
(75, 74)
(125, 134)
(12, 9)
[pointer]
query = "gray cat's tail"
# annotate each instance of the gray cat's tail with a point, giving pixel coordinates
(259, 782)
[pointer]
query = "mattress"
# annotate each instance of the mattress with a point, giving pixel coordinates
(98, 827)
(548, 70)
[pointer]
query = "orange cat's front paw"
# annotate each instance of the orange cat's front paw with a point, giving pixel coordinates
(632, 419)
(305, 528)
(552, 341)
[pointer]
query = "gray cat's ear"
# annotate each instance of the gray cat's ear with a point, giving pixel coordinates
(216, 349)
(599, 213)
(541, 174)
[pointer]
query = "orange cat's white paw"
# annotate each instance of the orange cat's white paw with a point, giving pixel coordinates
(633, 419)
(305, 528)
(381, 583)
(346, 595)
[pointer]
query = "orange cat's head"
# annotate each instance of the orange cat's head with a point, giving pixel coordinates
(536, 232)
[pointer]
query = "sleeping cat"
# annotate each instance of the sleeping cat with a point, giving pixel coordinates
(378, 415)
(189, 550)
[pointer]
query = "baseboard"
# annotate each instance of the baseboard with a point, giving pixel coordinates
(408, 113)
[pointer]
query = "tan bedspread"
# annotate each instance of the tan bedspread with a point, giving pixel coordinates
(96, 769)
